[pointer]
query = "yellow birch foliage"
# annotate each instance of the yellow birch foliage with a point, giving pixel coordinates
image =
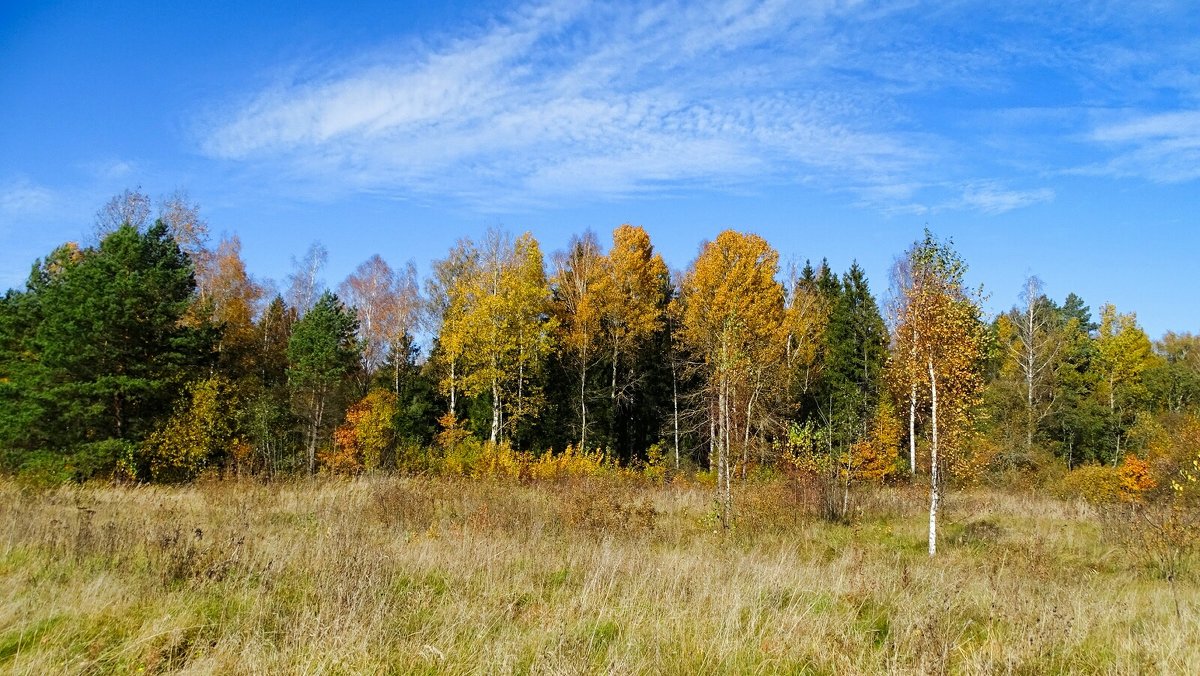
(199, 434)
(497, 327)
(578, 279)
(875, 457)
(940, 329)
(631, 291)
(1125, 353)
(448, 293)
(805, 321)
(733, 311)
(366, 439)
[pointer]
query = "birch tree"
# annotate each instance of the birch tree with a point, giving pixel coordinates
(305, 284)
(941, 318)
(904, 371)
(496, 325)
(633, 304)
(387, 304)
(1036, 351)
(733, 318)
(578, 279)
(447, 298)
(1125, 353)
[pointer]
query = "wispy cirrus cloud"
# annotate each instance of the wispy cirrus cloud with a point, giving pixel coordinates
(566, 100)
(1164, 147)
(22, 198)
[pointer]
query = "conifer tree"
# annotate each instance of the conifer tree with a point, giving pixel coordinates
(322, 353)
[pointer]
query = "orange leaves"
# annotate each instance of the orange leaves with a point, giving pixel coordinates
(1135, 479)
(630, 289)
(367, 437)
(733, 312)
(1129, 482)
(232, 294)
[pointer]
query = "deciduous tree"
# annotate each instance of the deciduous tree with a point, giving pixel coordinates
(941, 318)
(1123, 354)
(577, 282)
(632, 296)
(733, 318)
(388, 306)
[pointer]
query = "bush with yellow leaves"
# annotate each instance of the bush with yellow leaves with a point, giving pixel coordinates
(367, 438)
(1130, 482)
(199, 435)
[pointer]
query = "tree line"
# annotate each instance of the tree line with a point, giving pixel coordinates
(152, 355)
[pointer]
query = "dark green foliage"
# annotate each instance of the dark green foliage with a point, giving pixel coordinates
(97, 349)
(856, 348)
(322, 354)
(418, 404)
(852, 355)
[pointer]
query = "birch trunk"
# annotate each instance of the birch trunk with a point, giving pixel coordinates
(495, 411)
(912, 430)
(935, 490)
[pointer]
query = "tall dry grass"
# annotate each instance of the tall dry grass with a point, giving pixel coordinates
(416, 575)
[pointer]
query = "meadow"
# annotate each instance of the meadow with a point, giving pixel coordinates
(596, 575)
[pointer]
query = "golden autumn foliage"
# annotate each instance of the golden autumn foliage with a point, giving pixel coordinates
(630, 293)
(495, 326)
(1129, 482)
(578, 307)
(366, 440)
(451, 431)
(202, 429)
(1135, 479)
(733, 319)
(805, 321)
(875, 457)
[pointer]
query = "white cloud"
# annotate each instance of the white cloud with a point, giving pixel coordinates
(991, 198)
(568, 100)
(21, 198)
(1164, 147)
(563, 100)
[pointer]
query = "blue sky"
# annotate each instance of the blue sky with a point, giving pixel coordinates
(1062, 142)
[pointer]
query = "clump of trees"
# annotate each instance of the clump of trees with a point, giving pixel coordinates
(151, 354)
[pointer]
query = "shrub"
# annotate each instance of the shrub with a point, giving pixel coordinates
(1096, 484)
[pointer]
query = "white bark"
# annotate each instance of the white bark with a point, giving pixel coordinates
(912, 429)
(935, 490)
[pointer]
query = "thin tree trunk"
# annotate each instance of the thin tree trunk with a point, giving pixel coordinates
(1030, 364)
(495, 411)
(675, 404)
(613, 397)
(935, 490)
(613, 391)
(912, 430)
(728, 458)
(583, 421)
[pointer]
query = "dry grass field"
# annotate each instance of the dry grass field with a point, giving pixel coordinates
(422, 575)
